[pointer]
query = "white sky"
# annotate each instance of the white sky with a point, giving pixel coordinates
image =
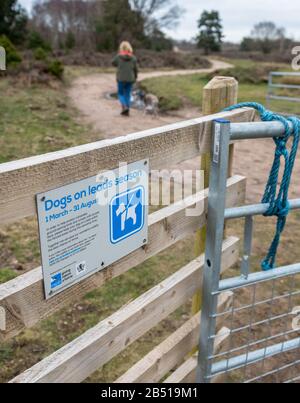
(238, 16)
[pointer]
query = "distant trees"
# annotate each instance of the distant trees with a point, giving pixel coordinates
(90, 25)
(13, 21)
(265, 37)
(158, 41)
(102, 24)
(211, 32)
(118, 22)
(157, 14)
(59, 21)
(36, 41)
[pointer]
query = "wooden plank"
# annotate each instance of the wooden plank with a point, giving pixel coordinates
(218, 94)
(23, 298)
(83, 356)
(186, 373)
(163, 358)
(166, 146)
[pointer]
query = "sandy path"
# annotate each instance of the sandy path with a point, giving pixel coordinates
(252, 158)
(87, 94)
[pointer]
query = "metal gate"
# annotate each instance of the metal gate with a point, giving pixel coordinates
(263, 345)
(272, 95)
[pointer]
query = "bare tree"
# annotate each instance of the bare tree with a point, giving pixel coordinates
(267, 34)
(57, 19)
(158, 14)
(101, 24)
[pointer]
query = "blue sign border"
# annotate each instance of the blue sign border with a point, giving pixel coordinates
(110, 215)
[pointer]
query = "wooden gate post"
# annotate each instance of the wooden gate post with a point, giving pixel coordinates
(218, 94)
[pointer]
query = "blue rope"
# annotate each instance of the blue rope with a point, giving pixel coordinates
(278, 200)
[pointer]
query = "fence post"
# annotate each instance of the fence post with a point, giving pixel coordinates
(218, 94)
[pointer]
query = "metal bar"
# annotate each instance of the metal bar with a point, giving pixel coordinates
(259, 277)
(262, 322)
(248, 235)
(296, 379)
(290, 86)
(257, 130)
(284, 98)
(274, 371)
(263, 302)
(255, 209)
(214, 240)
(254, 356)
(254, 343)
(270, 91)
(284, 73)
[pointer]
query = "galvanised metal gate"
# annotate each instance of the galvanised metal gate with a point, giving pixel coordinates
(281, 86)
(263, 345)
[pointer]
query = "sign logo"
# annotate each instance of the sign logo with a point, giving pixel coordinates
(127, 214)
(81, 268)
(56, 280)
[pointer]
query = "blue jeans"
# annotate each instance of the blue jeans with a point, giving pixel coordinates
(124, 93)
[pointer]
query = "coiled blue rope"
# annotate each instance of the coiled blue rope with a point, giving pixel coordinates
(277, 198)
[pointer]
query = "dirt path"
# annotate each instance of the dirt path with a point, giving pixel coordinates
(252, 159)
(87, 94)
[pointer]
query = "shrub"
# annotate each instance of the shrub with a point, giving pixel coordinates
(36, 41)
(56, 68)
(12, 56)
(40, 54)
(252, 74)
(70, 40)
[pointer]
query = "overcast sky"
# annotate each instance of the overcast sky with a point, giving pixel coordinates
(238, 16)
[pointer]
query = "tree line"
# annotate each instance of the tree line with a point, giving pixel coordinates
(95, 24)
(265, 37)
(102, 24)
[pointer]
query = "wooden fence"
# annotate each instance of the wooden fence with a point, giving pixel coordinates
(22, 300)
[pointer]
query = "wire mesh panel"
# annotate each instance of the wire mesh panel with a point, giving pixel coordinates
(263, 343)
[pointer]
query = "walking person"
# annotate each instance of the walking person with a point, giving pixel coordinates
(127, 73)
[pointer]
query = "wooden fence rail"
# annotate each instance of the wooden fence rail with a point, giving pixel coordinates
(163, 358)
(23, 301)
(83, 356)
(166, 146)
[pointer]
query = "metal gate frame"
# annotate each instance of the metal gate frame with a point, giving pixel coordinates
(272, 86)
(210, 365)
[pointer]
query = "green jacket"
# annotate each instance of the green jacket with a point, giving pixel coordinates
(127, 68)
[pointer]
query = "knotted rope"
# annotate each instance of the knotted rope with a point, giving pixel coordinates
(277, 198)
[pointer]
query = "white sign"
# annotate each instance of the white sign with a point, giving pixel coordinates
(88, 225)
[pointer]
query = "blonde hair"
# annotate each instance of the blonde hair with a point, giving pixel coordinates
(126, 47)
